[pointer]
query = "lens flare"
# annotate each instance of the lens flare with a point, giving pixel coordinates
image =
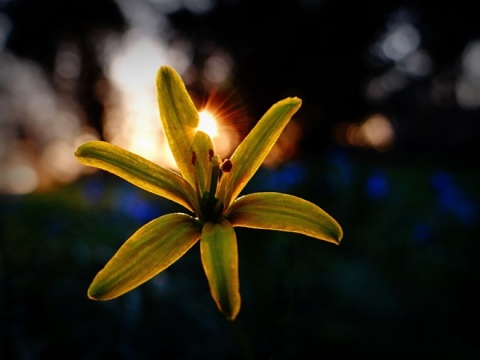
(222, 116)
(207, 123)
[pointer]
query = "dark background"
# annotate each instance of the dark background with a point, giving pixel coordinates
(403, 282)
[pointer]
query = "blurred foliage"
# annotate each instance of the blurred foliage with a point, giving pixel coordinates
(401, 284)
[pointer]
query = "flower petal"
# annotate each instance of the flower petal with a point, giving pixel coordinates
(179, 118)
(138, 171)
(153, 248)
(202, 146)
(250, 154)
(218, 248)
(276, 211)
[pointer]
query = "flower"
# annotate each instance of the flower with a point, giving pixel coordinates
(209, 188)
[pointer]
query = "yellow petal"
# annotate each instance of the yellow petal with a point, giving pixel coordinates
(250, 154)
(203, 148)
(218, 248)
(138, 171)
(276, 211)
(179, 118)
(153, 248)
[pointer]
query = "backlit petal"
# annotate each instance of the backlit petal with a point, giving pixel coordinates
(153, 248)
(179, 118)
(250, 154)
(276, 211)
(219, 253)
(203, 148)
(138, 171)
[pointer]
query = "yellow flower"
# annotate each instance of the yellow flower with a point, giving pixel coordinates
(209, 188)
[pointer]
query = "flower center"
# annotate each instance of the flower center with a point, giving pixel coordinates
(211, 207)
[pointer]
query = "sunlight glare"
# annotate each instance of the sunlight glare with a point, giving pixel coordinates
(131, 119)
(207, 123)
(219, 119)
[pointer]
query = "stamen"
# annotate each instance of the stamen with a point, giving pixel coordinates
(197, 185)
(194, 158)
(218, 209)
(226, 166)
(215, 174)
(211, 207)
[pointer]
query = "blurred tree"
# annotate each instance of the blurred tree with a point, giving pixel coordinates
(323, 51)
(39, 28)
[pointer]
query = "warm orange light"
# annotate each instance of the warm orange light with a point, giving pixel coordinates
(378, 132)
(207, 123)
(131, 117)
(375, 132)
(287, 145)
(222, 119)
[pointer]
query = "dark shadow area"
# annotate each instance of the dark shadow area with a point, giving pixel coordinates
(385, 141)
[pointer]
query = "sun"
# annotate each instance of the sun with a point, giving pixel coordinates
(207, 123)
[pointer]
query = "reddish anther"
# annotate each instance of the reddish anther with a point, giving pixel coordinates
(194, 158)
(226, 166)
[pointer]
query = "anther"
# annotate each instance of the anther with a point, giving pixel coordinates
(226, 166)
(194, 158)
